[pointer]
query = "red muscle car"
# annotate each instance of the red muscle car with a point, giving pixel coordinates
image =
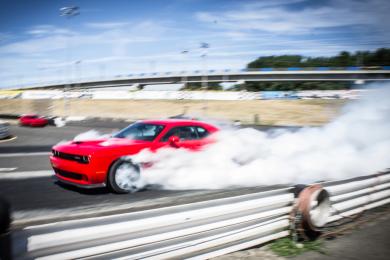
(107, 162)
(33, 120)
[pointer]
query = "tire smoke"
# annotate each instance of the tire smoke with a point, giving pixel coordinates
(354, 144)
(90, 135)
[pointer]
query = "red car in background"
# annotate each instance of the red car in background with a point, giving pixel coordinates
(106, 162)
(33, 120)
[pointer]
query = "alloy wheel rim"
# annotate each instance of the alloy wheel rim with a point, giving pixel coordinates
(127, 176)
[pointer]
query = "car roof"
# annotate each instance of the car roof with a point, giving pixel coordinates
(174, 122)
(30, 115)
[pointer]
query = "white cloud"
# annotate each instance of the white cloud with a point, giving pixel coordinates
(52, 38)
(277, 18)
(44, 30)
(267, 4)
(35, 46)
(106, 25)
(44, 53)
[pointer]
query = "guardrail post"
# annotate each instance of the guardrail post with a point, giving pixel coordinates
(5, 236)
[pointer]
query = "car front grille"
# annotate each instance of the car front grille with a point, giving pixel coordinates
(70, 175)
(84, 159)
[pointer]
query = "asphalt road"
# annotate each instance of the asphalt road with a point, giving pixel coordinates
(35, 197)
(26, 180)
(368, 237)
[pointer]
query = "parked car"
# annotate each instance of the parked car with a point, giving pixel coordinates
(33, 120)
(4, 129)
(107, 162)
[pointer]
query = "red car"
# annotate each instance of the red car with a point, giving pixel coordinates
(105, 162)
(33, 120)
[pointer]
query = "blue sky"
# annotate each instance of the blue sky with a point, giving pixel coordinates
(124, 37)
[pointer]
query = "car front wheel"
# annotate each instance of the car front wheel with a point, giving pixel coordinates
(124, 177)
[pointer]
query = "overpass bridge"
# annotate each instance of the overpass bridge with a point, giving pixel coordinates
(377, 73)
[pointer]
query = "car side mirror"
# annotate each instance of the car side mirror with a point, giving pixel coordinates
(174, 141)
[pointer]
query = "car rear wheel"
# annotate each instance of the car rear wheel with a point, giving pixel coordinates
(124, 177)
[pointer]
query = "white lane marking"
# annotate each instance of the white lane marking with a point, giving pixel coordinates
(23, 154)
(25, 175)
(8, 169)
(7, 140)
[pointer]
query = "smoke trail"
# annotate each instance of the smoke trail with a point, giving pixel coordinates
(90, 135)
(356, 143)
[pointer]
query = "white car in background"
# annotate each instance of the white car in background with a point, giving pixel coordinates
(4, 129)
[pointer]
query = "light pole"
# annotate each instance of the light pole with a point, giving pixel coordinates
(184, 78)
(205, 46)
(78, 72)
(68, 12)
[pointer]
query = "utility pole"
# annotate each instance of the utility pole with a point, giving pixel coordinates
(204, 46)
(68, 12)
(184, 77)
(78, 72)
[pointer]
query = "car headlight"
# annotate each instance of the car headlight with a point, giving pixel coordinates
(85, 159)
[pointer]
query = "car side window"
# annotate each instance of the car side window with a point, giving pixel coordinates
(140, 131)
(202, 133)
(183, 132)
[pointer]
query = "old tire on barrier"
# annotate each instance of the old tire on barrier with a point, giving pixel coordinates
(311, 211)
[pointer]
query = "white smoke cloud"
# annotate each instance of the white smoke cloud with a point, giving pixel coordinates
(356, 143)
(90, 135)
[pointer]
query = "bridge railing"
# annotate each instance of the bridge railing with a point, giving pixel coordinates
(186, 73)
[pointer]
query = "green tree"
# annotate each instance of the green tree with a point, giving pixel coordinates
(283, 61)
(369, 59)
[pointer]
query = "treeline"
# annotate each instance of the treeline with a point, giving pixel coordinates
(380, 57)
(293, 86)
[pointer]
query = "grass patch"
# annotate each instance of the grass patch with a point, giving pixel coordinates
(286, 247)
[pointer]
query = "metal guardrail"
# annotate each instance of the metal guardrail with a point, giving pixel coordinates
(206, 228)
(351, 197)
(184, 95)
(198, 230)
(321, 73)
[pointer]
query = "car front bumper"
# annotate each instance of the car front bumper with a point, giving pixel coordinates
(76, 174)
(85, 186)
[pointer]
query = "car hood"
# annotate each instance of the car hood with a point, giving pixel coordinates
(87, 147)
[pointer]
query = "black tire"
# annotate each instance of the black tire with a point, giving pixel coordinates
(129, 178)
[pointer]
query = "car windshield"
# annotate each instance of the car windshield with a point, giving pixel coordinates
(140, 131)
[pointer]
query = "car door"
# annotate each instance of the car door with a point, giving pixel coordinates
(203, 136)
(189, 137)
(26, 120)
